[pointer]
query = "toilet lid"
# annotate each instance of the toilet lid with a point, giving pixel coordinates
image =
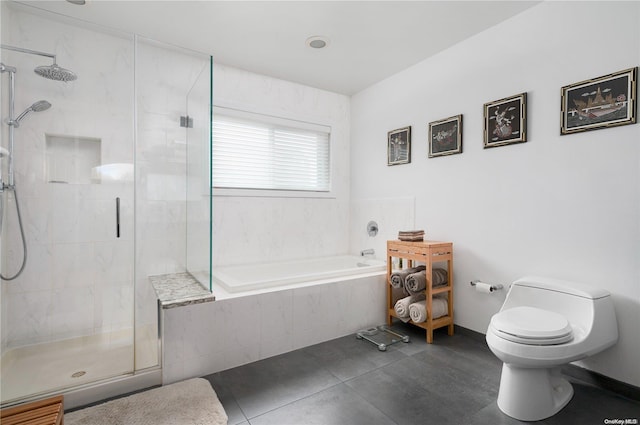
(530, 325)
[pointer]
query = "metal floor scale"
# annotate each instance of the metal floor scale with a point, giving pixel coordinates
(382, 337)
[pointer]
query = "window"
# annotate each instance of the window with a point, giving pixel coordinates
(252, 151)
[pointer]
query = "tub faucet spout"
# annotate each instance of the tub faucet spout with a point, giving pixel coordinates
(367, 252)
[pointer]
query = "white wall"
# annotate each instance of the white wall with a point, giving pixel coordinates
(252, 229)
(565, 207)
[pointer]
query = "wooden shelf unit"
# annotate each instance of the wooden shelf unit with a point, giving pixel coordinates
(428, 253)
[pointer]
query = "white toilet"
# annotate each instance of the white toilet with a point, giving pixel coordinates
(542, 325)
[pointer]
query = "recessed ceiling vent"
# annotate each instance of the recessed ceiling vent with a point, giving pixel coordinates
(317, 42)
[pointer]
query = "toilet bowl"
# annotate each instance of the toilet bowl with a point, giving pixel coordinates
(543, 324)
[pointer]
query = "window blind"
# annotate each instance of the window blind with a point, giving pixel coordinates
(260, 152)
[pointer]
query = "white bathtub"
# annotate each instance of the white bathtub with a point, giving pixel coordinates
(252, 325)
(249, 277)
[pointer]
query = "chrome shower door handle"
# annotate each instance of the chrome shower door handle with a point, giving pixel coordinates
(117, 217)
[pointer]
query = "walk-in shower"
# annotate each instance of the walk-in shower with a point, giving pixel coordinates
(81, 319)
(52, 72)
(68, 309)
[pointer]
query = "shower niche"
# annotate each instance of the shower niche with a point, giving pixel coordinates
(72, 160)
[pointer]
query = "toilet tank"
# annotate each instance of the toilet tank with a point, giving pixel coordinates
(575, 301)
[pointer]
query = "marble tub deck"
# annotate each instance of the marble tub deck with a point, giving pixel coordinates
(179, 289)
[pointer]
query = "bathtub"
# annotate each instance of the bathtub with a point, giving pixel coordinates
(249, 277)
(275, 308)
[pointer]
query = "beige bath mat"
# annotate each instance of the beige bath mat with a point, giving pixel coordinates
(191, 402)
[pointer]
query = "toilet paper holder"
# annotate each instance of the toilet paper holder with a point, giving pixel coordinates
(495, 287)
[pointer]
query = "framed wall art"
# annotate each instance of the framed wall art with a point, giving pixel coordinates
(445, 136)
(399, 146)
(602, 102)
(505, 121)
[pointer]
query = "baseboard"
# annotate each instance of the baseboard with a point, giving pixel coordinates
(478, 336)
(601, 381)
(576, 372)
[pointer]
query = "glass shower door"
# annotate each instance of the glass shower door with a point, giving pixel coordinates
(67, 320)
(83, 313)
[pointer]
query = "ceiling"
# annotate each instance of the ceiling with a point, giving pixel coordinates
(368, 40)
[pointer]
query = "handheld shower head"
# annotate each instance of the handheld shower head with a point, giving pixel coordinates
(39, 106)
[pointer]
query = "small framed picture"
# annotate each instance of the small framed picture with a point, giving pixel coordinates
(505, 121)
(602, 102)
(399, 146)
(445, 136)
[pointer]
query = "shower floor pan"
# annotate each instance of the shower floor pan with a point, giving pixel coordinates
(382, 337)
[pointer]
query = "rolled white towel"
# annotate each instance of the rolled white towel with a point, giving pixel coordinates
(418, 310)
(402, 306)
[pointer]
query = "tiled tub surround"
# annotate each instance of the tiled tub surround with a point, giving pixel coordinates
(391, 214)
(234, 330)
(268, 229)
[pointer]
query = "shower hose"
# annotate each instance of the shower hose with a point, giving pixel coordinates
(24, 243)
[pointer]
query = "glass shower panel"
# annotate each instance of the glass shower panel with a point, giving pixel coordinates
(165, 77)
(198, 129)
(67, 320)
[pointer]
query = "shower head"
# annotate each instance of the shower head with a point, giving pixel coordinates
(55, 72)
(39, 106)
(52, 72)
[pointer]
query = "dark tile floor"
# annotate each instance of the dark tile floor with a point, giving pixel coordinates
(348, 381)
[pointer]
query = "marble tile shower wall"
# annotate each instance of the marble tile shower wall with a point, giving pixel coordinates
(391, 215)
(78, 279)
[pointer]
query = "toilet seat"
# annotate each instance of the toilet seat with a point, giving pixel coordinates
(531, 326)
